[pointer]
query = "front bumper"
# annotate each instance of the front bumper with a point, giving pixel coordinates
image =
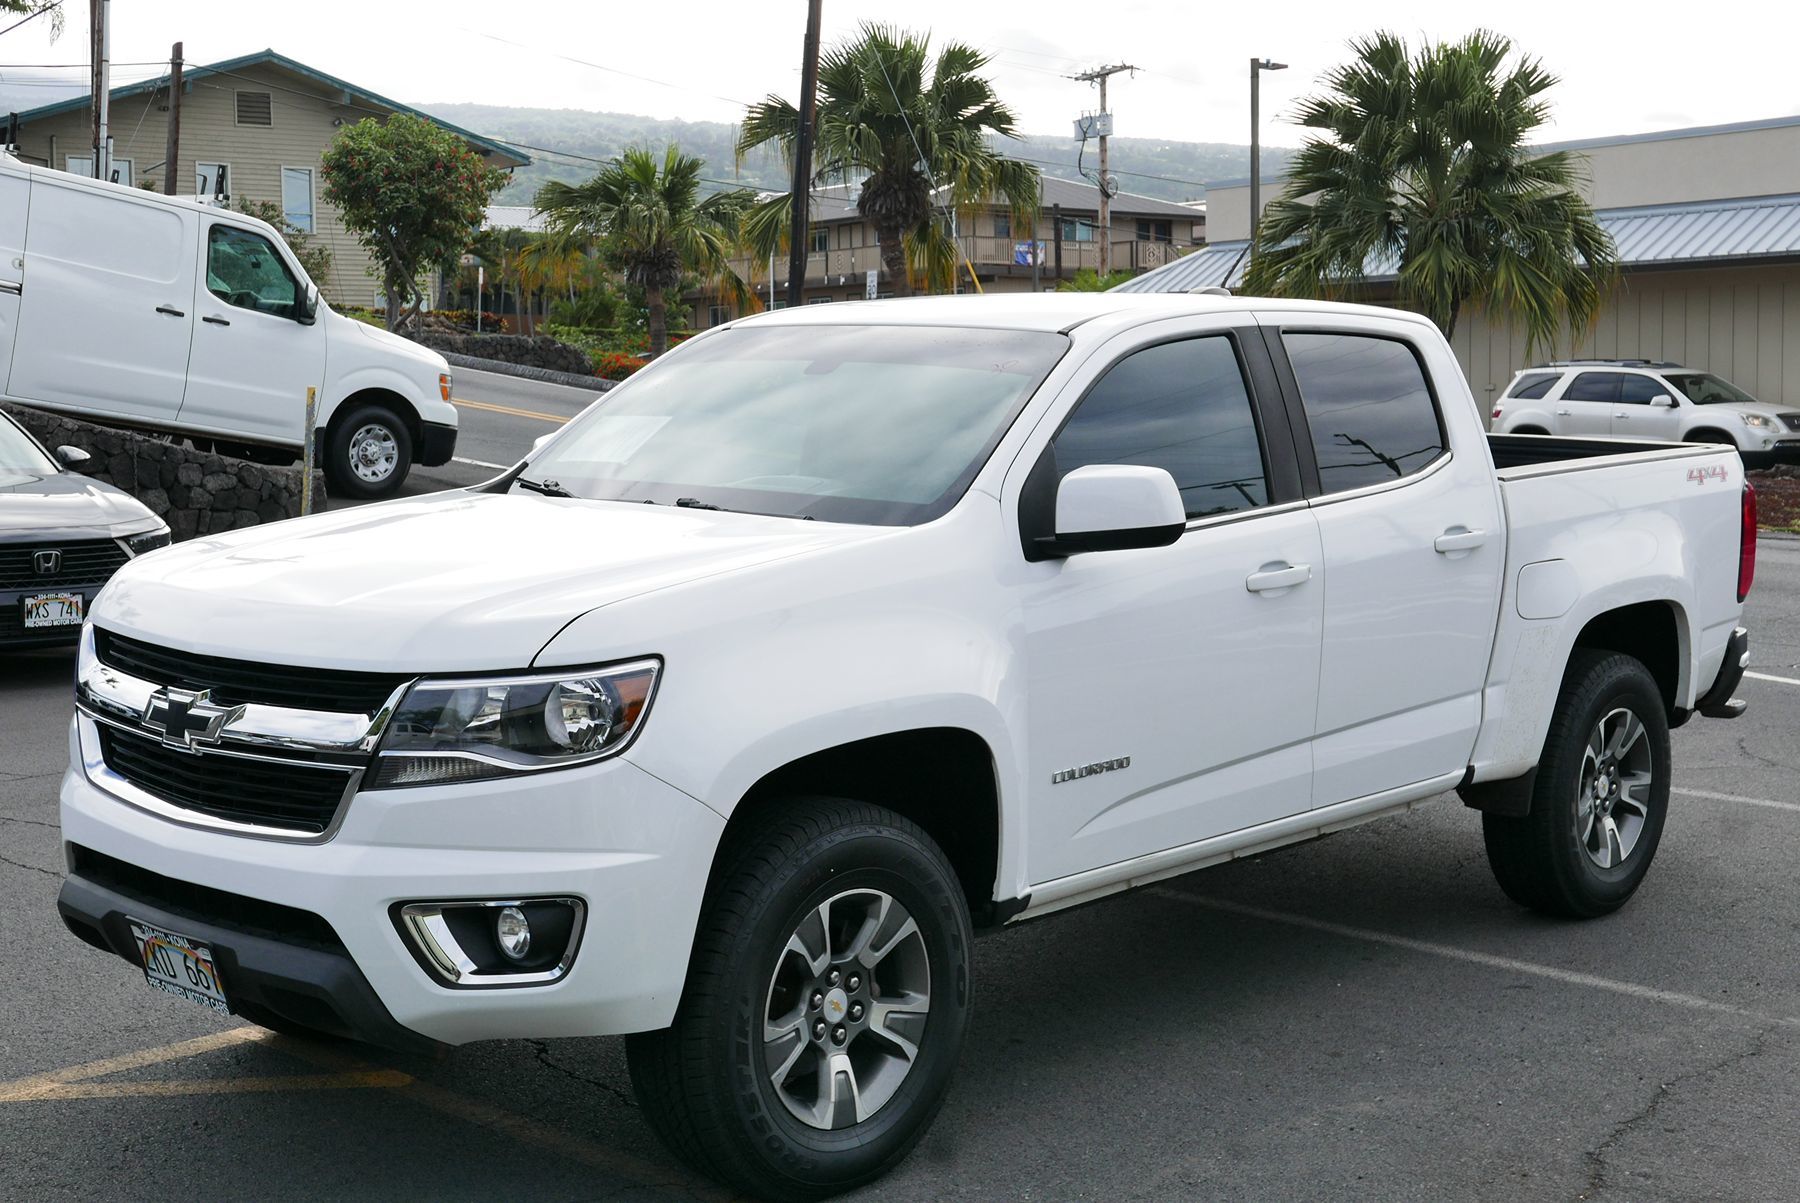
(1785, 451)
(437, 443)
(636, 851)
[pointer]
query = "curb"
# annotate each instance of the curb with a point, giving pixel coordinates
(544, 375)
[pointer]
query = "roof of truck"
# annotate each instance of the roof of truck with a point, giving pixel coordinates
(1047, 311)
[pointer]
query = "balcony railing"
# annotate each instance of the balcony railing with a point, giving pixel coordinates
(848, 267)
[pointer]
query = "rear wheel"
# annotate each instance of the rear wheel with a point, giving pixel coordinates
(368, 453)
(825, 1007)
(1599, 799)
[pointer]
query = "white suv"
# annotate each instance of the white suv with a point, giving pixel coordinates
(1641, 399)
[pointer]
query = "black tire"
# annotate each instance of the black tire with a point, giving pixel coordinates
(704, 1084)
(1529, 430)
(1541, 859)
(348, 440)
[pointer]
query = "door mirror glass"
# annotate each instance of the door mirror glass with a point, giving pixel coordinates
(72, 457)
(1111, 507)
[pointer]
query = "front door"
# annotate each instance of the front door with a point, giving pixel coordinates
(107, 302)
(1587, 403)
(253, 357)
(1634, 417)
(1170, 689)
(1413, 552)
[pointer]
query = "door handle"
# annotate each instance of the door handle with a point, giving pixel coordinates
(1562, 413)
(1619, 417)
(215, 319)
(1459, 538)
(1278, 576)
(171, 311)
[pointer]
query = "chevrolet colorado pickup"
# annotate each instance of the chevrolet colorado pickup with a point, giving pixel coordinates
(724, 719)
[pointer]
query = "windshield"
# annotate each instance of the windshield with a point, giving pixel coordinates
(1704, 388)
(872, 424)
(19, 456)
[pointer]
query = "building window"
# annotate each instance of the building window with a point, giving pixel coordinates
(255, 108)
(1155, 231)
(778, 305)
(1077, 231)
(212, 179)
(820, 300)
(1002, 225)
(121, 171)
(717, 315)
(821, 239)
(297, 197)
(79, 165)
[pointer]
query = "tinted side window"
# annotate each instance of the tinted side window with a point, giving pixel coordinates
(1594, 386)
(1182, 406)
(1533, 386)
(1637, 390)
(1369, 408)
(243, 269)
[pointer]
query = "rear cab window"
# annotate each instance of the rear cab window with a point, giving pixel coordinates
(1371, 413)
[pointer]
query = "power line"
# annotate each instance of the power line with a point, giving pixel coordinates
(661, 83)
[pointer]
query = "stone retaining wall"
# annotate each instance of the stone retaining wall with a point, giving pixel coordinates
(537, 351)
(195, 492)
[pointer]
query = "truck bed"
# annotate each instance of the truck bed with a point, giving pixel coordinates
(1512, 451)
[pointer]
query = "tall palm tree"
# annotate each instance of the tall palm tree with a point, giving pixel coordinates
(1423, 164)
(902, 125)
(649, 218)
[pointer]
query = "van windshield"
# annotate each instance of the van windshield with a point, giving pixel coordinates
(1704, 388)
(884, 425)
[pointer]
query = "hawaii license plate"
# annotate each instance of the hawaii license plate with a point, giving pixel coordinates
(53, 610)
(178, 965)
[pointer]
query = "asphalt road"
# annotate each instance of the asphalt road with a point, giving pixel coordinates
(498, 418)
(1365, 1016)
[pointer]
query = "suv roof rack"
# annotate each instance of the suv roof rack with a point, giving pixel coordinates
(1616, 363)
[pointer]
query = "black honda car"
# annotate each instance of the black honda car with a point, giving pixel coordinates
(62, 536)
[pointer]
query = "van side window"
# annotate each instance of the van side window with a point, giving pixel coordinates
(1367, 404)
(243, 269)
(1182, 406)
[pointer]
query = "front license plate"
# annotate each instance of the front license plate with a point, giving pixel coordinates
(53, 610)
(179, 966)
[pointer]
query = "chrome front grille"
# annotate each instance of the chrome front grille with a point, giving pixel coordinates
(190, 744)
(1792, 421)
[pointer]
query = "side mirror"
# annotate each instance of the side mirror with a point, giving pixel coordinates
(538, 443)
(1662, 401)
(1113, 507)
(72, 457)
(306, 310)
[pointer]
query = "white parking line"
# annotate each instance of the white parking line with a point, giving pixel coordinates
(1690, 1002)
(1718, 797)
(1767, 677)
(479, 463)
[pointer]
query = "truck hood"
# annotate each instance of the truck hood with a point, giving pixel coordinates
(46, 506)
(449, 582)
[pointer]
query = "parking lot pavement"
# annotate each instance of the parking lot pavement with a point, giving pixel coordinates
(1364, 1016)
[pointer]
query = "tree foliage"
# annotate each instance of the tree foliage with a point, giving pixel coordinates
(1423, 165)
(413, 193)
(314, 257)
(32, 8)
(649, 216)
(903, 126)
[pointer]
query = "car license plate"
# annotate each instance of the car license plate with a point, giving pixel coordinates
(53, 610)
(179, 966)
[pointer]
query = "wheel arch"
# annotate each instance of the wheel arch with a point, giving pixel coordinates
(388, 398)
(1652, 632)
(1708, 434)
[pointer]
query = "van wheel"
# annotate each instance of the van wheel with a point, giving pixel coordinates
(825, 1006)
(369, 452)
(1600, 797)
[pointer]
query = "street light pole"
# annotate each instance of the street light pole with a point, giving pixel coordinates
(1257, 67)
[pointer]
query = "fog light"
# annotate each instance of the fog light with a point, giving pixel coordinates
(512, 933)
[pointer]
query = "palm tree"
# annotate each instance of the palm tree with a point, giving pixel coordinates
(904, 126)
(650, 219)
(1423, 166)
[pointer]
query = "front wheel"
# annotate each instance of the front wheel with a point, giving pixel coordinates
(368, 453)
(825, 1007)
(1600, 797)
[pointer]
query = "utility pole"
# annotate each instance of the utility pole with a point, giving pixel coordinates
(98, 11)
(803, 145)
(172, 148)
(1257, 67)
(1098, 75)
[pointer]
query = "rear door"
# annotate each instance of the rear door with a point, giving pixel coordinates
(253, 358)
(1587, 403)
(15, 200)
(109, 313)
(1413, 549)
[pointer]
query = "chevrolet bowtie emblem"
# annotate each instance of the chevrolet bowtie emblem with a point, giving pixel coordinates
(187, 718)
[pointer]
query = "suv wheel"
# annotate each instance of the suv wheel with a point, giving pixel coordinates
(825, 1006)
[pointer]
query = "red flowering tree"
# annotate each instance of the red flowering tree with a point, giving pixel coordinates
(413, 193)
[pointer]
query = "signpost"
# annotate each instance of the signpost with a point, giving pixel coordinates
(307, 453)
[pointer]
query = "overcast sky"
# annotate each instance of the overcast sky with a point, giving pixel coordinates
(1662, 66)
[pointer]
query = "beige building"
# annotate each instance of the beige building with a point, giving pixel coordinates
(1707, 223)
(1144, 233)
(254, 128)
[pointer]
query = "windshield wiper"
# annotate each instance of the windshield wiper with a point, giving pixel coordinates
(694, 503)
(548, 488)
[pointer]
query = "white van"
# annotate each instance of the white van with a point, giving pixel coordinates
(175, 316)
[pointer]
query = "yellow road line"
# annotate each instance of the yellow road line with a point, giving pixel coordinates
(129, 1061)
(508, 409)
(380, 1079)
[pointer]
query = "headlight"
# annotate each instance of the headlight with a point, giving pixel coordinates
(149, 540)
(1758, 420)
(477, 728)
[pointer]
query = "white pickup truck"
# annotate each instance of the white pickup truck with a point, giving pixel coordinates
(176, 316)
(839, 633)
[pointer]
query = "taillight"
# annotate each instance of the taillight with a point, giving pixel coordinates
(1747, 544)
(1496, 411)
